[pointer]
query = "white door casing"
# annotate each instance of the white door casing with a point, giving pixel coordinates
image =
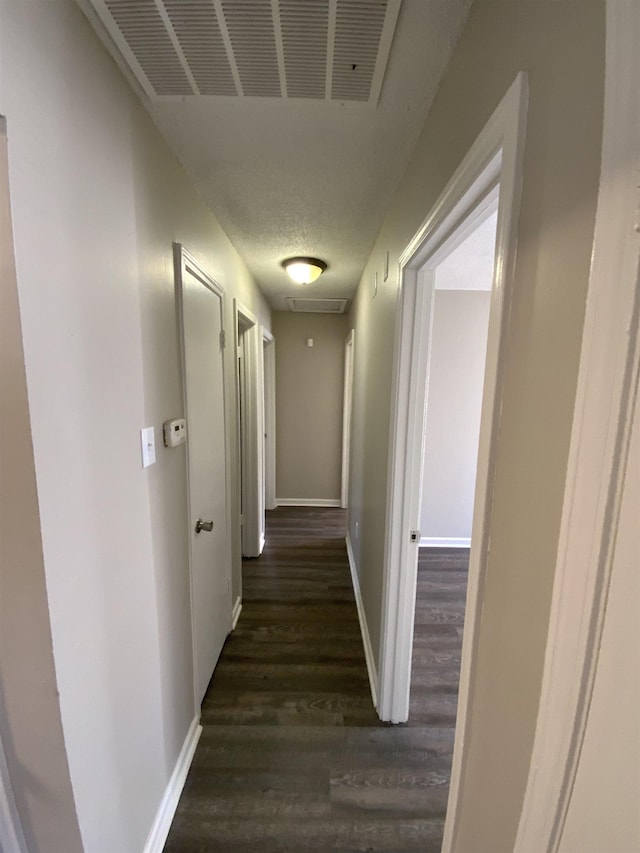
(494, 159)
(347, 405)
(251, 432)
(269, 361)
(201, 312)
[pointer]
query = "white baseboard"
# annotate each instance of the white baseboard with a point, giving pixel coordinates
(444, 542)
(262, 542)
(235, 613)
(364, 628)
(169, 803)
(309, 502)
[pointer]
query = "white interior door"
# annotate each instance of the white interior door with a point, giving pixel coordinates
(202, 316)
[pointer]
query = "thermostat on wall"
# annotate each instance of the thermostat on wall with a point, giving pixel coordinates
(175, 432)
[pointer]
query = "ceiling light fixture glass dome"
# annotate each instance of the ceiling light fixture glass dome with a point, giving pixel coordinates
(304, 270)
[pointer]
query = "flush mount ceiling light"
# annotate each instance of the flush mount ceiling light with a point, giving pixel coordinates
(304, 270)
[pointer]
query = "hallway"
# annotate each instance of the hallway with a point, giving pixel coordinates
(292, 755)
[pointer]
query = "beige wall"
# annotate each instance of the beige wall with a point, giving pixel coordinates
(30, 724)
(309, 389)
(561, 46)
(456, 378)
(603, 811)
(97, 201)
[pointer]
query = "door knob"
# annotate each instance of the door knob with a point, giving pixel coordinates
(204, 525)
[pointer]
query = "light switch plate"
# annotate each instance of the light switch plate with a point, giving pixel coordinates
(148, 446)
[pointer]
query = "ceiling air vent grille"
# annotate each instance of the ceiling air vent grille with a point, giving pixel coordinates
(332, 50)
(304, 28)
(197, 29)
(252, 35)
(146, 35)
(317, 306)
(359, 25)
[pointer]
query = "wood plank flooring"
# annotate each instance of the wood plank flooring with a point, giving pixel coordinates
(292, 755)
(437, 636)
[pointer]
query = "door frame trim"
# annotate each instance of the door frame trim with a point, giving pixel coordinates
(496, 156)
(608, 380)
(269, 372)
(347, 405)
(185, 262)
(252, 415)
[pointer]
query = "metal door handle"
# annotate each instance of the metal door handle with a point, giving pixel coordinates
(204, 525)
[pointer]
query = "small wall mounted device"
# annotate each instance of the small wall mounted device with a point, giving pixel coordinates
(148, 446)
(175, 432)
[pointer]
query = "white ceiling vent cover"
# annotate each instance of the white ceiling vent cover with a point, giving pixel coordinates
(317, 306)
(331, 50)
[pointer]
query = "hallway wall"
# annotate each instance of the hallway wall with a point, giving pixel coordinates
(561, 46)
(30, 726)
(309, 401)
(97, 201)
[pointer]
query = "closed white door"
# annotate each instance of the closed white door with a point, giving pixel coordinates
(202, 312)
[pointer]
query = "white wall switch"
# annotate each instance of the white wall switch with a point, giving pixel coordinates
(148, 444)
(175, 432)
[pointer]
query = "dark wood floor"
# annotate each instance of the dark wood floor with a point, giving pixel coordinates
(437, 636)
(292, 755)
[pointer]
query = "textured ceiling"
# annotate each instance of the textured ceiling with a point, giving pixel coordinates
(289, 176)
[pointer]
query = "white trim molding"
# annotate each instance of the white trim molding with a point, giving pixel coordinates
(607, 385)
(169, 803)
(269, 361)
(364, 627)
(488, 177)
(332, 502)
(444, 542)
(251, 432)
(347, 406)
(235, 613)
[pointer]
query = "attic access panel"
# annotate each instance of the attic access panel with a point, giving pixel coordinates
(315, 305)
(331, 50)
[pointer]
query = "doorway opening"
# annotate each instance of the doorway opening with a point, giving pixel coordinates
(455, 379)
(489, 176)
(456, 360)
